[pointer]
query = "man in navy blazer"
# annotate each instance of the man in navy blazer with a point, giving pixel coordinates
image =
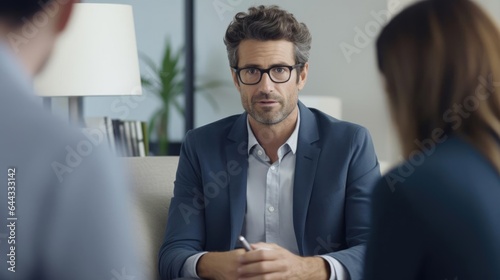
(293, 180)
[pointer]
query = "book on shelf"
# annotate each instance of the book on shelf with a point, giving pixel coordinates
(117, 137)
(110, 133)
(135, 144)
(123, 139)
(140, 139)
(126, 138)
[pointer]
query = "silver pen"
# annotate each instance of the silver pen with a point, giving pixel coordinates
(245, 243)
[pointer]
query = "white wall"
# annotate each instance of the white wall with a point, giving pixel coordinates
(353, 79)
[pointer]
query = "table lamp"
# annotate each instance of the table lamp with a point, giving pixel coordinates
(95, 56)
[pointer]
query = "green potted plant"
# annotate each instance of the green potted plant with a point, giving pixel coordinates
(166, 82)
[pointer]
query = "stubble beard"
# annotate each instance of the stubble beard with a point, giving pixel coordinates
(267, 117)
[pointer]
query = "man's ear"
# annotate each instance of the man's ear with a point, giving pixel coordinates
(236, 81)
(65, 15)
(303, 76)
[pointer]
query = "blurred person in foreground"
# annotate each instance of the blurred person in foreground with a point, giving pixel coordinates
(63, 208)
(291, 179)
(437, 215)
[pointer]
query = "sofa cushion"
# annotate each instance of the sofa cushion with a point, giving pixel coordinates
(153, 184)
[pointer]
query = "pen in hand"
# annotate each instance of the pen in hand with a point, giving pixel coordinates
(245, 243)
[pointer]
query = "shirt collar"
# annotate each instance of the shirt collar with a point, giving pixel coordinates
(291, 142)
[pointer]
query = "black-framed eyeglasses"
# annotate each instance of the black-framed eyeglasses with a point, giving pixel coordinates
(278, 73)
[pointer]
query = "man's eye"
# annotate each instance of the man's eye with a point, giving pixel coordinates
(251, 71)
(279, 70)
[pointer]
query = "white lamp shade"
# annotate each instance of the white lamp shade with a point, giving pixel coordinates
(327, 104)
(96, 55)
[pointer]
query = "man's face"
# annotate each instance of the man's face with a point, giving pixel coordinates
(268, 102)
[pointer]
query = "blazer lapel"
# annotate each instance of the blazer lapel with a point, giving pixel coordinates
(237, 167)
(305, 171)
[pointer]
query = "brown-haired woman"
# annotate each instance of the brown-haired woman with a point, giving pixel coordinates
(437, 215)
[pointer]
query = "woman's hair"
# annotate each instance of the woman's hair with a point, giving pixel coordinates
(267, 23)
(441, 63)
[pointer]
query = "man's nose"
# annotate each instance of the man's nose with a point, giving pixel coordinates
(266, 84)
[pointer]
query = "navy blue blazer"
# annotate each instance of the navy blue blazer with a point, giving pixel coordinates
(336, 170)
(437, 217)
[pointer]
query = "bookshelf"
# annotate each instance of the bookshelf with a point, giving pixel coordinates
(125, 138)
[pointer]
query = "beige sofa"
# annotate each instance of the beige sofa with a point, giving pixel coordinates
(153, 184)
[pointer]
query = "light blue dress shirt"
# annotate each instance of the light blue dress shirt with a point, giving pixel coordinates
(269, 216)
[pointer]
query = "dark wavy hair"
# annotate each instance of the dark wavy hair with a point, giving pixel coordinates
(267, 23)
(15, 10)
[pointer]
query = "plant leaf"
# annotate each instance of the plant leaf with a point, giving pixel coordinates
(167, 83)
(178, 107)
(152, 121)
(146, 82)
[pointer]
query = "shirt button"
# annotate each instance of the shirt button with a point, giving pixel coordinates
(259, 152)
(271, 209)
(273, 168)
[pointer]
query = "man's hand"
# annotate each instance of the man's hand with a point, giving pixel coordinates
(270, 261)
(220, 266)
